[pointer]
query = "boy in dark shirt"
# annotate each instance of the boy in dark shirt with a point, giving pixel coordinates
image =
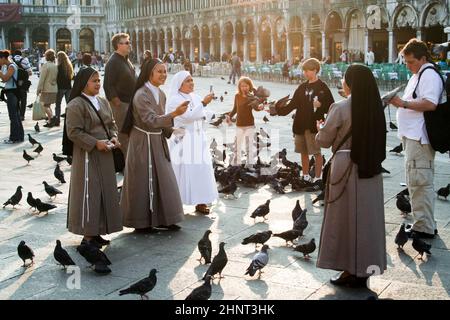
(312, 99)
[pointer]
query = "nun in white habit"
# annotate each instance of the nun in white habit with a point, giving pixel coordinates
(189, 152)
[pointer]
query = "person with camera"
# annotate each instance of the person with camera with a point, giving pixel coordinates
(150, 194)
(93, 208)
(24, 72)
(8, 75)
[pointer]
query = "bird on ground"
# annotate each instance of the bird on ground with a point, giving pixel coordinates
(260, 237)
(420, 246)
(383, 170)
(263, 133)
(39, 149)
(320, 197)
(221, 98)
(403, 204)
(297, 211)
(25, 253)
(229, 189)
(402, 237)
(44, 207)
(58, 159)
(301, 223)
(31, 201)
(265, 119)
(225, 93)
(213, 144)
(51, 191)
(404, 192)
(398, 149)
(32, 140)
(59, 174)
(205, 247)
(15, 198)
(259, 261)
(262, 211)
(37, 128)
(222, 78)
(392, 126)
(30, 106)
(61, 255)
(203, 292)
(95, 257)
(218, 263)
(27, 157)
(444, 192)
(142, 287)
(306, 249)
(289, 236)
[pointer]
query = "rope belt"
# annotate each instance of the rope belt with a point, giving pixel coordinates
(86, 189)
(150, 171)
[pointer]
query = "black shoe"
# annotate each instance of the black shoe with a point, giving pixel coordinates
(341, 280)
(436, 232)
(145, 230)
(102, 241)
(172, 227)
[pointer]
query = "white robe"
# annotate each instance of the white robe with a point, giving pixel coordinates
(190, 156)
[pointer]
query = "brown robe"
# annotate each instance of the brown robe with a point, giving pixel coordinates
(93, 197)
(353, 235)
(136, 196)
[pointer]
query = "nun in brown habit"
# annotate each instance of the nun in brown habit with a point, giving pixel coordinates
(353, 238)
(150, 195)
(93, 198)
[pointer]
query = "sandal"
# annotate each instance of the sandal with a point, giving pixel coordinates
(202, 208)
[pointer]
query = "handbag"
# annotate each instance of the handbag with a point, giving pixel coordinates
(38, 111)
(326, 168)
(119, 159)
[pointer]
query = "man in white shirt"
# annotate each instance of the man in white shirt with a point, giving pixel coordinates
(370, 57)
(419, 155)
(23, 63)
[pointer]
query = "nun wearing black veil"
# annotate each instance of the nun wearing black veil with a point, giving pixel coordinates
(353, 238)
(93, 198)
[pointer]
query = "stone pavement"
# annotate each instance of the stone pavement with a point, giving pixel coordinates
(174, 254)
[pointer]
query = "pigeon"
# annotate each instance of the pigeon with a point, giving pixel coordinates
(43, 207)
(217, 123)
(402, 237)
(320, 197)
(444, 192)
(25, 253)
(262, 211)
(31, 140)
(265, 119)
(225, 93)
(58, 159)
(15, 198)
(93, 254)
(289, 236)
(59, 174)
(383, 170)
(398, 149)
(62, 256)
(260, 237)
(222, 78)
(30, 106)
(31, 201)
(403, 204)
(36, 128)
(69, 160)
(392, 126)
(142, 287)
(39, 149)
(307, 248)
(259, 261)
(51, 191)
(420, 246)
(221, 98)
(205, 248)
(201, 293)
(229, 189)
(404, 192)
(301, 223)
(263, 133)
(297, 211)
(27, 157)
(219, 262)
(213, 144)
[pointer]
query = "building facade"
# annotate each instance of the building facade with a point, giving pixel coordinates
(257, 29)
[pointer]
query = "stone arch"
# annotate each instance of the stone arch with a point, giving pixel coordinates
(279, 33)
(16, 38)
(433, 20)
(227, 35)
(296, 37)
(63, 40)
(355, 26)
(334, 35)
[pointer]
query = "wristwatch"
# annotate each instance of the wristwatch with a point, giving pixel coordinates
(405, 105)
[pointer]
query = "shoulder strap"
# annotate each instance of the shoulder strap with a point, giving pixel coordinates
(420, 76)
(98, 114)
(14, 79)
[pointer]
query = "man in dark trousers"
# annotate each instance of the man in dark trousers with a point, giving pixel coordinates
(235, 68)
(119, 83)
(311, 100)
(24, 64)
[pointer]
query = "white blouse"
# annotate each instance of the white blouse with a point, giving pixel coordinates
(94, 101)
(154, 90)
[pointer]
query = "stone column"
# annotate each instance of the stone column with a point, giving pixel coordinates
(306, 45)
(258, 49)
(174, 40)
(391, 46)
(166, 42)
(246, 57)
(75, 40)
(324, 45)
(366, 43)
(3, 40)
(222, 46)
(191, 49)
(234, 42)
(273, 49)
(51, 41)
(288, 47)
(98, 34)
(419, 34)
(211, 47)
(27, 38)
(201, 48)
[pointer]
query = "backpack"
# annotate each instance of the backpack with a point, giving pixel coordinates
(22, 81)
(437, 122)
